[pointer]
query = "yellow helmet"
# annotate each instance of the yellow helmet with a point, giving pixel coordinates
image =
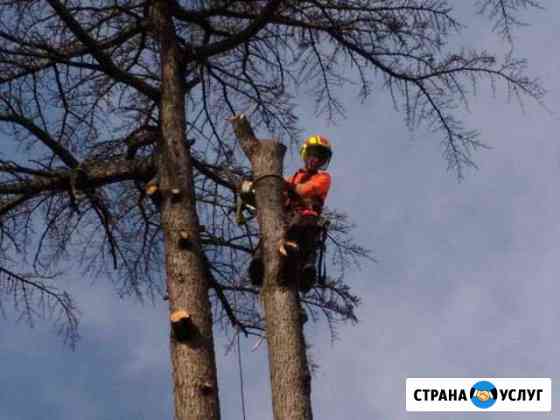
(319, 145)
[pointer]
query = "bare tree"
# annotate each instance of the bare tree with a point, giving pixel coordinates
(121, 156)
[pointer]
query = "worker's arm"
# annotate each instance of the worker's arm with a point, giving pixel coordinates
(288, 186)
(317, 186)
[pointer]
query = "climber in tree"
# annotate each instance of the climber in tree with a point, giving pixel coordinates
(306, 192)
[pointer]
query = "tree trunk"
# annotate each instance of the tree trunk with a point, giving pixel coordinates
(193, 359)
(289, 371)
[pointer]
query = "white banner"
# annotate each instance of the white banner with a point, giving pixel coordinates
(478, 394)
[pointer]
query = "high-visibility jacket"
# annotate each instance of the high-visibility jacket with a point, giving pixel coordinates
(315, 187)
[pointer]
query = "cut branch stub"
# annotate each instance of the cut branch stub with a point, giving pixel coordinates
(181, 325)
(286, 248)
(184, 239)
(175, 194)
(152, 187)
(77, 176)
(206, 388)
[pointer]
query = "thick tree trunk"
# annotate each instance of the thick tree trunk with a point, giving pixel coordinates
(289, 371)
(193, 359)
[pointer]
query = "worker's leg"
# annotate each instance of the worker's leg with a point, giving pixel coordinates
(304, 232)
(309, 266)
(294, 233)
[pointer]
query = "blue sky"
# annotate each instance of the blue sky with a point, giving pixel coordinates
(465, 283)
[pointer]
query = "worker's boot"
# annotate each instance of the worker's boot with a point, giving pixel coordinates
(256, 270)
(308, 277)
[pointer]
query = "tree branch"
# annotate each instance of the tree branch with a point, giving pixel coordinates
(44, 137)
(97, 174)
(106, 63)
(219, 47)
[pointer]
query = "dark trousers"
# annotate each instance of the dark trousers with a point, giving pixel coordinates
(303, 230)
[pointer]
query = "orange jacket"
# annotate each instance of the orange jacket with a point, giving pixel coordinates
(313, 192)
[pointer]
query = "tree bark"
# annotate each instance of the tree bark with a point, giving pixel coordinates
(289, 370)
(193, 359)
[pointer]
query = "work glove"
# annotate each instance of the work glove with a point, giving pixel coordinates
(290, 190)
(247, 193)
(246, 188)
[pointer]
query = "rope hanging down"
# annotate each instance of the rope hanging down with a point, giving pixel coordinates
(241, 378)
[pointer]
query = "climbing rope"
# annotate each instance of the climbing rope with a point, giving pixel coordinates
(241, 378)
(238, 329)
(260, 178)
(322, 263)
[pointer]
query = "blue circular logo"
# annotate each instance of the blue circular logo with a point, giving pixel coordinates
(483, 394)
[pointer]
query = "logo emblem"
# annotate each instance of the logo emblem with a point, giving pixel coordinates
(483, 394)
